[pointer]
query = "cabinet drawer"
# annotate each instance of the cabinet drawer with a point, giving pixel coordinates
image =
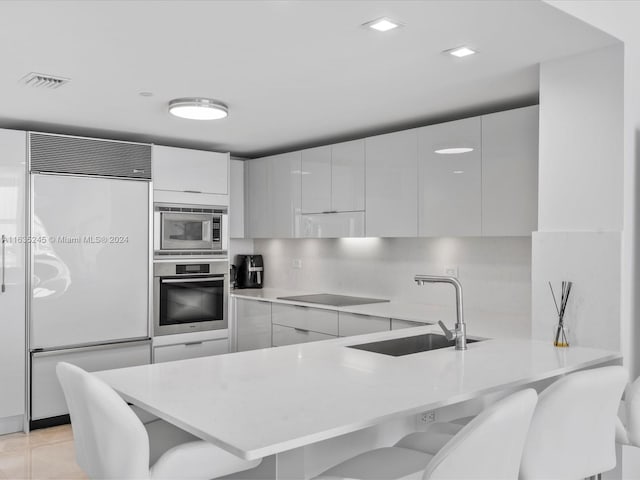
(398, 324)
(181, 351)
(47, 399)
(305, 318)
(289, 335)
(355, 324)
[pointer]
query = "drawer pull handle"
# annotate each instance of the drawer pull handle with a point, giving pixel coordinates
(192, 343)
(302, 330)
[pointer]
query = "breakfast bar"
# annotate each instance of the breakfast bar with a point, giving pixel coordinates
(274, 402)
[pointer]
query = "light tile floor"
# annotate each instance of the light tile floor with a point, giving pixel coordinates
(42, 454)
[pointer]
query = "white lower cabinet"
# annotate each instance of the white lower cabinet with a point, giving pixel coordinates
(356, 324)
(252, 324)
(283, 335)
(47, 399)
(398, 324)
(305, 318)
(181, 351)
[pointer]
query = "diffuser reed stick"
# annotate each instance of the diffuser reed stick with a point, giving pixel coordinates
(560, 339)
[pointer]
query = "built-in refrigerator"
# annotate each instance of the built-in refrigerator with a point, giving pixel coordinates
(89, 266)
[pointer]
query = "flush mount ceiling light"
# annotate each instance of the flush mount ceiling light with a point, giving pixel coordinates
(383, 24)
(460, 52)
(198, 108)
(454, 150)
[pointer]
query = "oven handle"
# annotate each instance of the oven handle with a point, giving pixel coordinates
(191, 280)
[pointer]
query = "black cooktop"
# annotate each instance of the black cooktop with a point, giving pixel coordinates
(333, 300)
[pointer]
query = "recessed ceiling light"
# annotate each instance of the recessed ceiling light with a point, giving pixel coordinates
(198, 108)
(383, 24)
(454, 150)
(460, 52)
(457, 172)
(146, 94)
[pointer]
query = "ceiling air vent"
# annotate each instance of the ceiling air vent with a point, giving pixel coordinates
(42, 80)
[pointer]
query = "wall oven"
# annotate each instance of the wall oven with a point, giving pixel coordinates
(189, 297)
(189, 230)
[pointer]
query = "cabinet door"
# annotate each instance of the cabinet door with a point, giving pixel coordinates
(259, 211)
(333, 225)
(12, 299)
(236, 199)
(186, 170)
(182, 351)
(289, 335)
(316, 180)
(510, 172)
(356, 324)
(450, 184)
(253, 324)
(392, 185)
(284, 192)
(347, 176)
(305, 318)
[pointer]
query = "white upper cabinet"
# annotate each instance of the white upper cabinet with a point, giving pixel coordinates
(510, 172)
(347, 176)
(333, 225)
(316, 180)
(333, 178)
(392, 185)
(12, 276)
(284, 182)
(450, 184)
(236, 199)
(191, 171)
(259, 213)
(273, 197)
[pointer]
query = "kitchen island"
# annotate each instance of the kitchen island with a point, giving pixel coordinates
(276, 401)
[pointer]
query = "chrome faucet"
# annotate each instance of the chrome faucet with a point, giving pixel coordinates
(460, 329)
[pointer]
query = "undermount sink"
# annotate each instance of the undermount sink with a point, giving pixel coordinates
(398, 347)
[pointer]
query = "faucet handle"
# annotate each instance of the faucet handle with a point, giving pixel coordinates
(447, 333)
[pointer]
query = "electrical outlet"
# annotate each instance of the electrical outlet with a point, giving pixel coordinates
(428, 417)
(451, 270)
(296, 263)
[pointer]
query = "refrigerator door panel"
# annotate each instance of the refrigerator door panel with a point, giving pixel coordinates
(90, 244)
(47, 399)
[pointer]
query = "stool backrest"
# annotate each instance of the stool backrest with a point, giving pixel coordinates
(110, 440)
(490, 446)
(572, 432)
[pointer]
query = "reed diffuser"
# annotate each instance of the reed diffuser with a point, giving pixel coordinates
(560, 339)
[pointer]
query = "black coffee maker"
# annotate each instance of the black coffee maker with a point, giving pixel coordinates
(250, 271)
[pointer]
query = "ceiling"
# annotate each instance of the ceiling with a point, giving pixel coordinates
(293, 73)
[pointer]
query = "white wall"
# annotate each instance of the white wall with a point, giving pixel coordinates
(620, 18)
(581, 142)
(495, 273)
(580, 196)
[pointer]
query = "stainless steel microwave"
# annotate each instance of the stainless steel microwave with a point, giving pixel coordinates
(189, 230)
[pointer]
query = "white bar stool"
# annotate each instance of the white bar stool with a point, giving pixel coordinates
(489, 447)
(112, 442)
(572, 432)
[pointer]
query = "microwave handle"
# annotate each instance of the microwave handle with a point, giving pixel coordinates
(192, 280)
(224, 231)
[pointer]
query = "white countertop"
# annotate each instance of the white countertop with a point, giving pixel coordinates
(269, 401)
(480, 323)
